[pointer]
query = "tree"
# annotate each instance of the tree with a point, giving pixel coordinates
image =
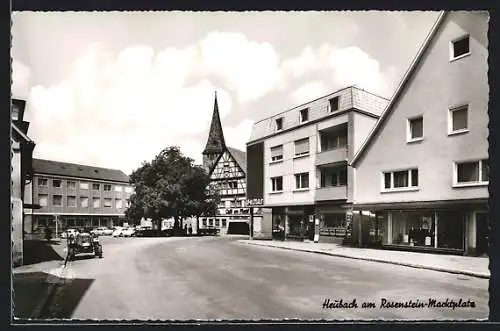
(171, 186)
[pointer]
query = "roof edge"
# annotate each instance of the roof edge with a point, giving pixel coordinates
(409, 72)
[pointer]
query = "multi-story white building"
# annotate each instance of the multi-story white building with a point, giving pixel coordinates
(421, 178)
(298, 163)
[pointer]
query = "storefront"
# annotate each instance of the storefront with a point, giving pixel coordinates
(334, 222)
(459, 229)
(296, 222)
(59, 223)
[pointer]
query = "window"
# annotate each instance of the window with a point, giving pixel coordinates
(279, 123)
(415, 129)
(107, 187)
(472, 172)
(71, 185)
(96, 202)
(128, 189)
(118, 188)
(217, 222)
(302, 180)
(119, 204)
(15, 112)
(458, 119)
(96, 186)
(304, 115)
(302, 147)
(42, 182)
(224, 223)
(211, 222)
(71, 201)
(277, 184)
(56, 183)
(459, 48)
(334, 104)
(401, 179)
(43, 200)
(232, 184)
(333, 176)
(84, 202)
(277, 153)
(204, 221)
(57, 200)
(330, 140)
(84, 186)
(107, 202)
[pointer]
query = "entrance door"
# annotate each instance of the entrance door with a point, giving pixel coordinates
(482, 233)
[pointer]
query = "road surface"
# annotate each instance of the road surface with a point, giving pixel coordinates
(217, 278)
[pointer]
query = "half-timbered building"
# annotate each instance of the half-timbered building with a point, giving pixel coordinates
(227, 169)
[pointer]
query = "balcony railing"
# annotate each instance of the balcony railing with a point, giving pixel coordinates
(331, 193)
(331, 156)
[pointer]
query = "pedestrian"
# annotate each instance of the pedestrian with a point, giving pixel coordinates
(190, 229)
(185, 229)
(48, 233)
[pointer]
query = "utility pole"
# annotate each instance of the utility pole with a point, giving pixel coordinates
(57, 221)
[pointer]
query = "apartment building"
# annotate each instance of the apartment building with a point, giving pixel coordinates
(227, 169)
(74, 195)
(21, 151)
(421, 177)
(298, 163)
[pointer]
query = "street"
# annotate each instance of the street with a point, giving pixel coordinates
(217, 278)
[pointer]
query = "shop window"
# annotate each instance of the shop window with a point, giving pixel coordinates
(413, 228)
(277, 184)
(333, 225)
(451, 229)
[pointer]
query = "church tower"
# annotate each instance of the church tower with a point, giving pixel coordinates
(215, 143)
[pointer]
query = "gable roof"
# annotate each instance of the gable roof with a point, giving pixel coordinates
(240, 157)
(401, 87)
(78, 170)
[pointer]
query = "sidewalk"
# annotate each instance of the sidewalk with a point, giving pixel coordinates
(465, 265)
(33, 282)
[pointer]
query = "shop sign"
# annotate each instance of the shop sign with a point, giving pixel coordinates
(255, 202)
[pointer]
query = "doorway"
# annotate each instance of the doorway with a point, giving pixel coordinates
(482, 233)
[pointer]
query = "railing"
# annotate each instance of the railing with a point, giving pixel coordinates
(331, 156)
(331, 193)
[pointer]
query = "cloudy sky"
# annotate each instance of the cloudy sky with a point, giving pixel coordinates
(112, 89)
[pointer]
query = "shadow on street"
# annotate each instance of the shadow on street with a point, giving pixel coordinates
(36, 251)
(31, 290)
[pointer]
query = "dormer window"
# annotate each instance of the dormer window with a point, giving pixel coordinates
(279, 123)
(304, 115)
(334, 104)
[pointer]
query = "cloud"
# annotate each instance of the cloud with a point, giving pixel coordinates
(309, 91)
(238, 136)
(339, 67)
(20, 79)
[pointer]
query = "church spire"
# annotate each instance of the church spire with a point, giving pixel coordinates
(215, 142)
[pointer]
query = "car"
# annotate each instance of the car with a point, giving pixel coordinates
(128, 232)
(118, 232)
(103, 231)
(68, 232)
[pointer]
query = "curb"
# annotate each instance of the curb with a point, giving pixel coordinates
(411, 265)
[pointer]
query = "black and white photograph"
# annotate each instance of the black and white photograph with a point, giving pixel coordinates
(250, 166)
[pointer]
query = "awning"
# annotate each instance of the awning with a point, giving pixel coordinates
(32, 206)
(464, 203)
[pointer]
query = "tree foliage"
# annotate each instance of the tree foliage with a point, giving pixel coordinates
(171, 186)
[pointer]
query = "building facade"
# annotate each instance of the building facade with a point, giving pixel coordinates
(227, 169)
(421, 178)
(300, 163)
(21, 151)
(75, 196)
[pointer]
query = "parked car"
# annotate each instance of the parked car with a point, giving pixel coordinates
(102, 231)
(118, 232)
(128, 232)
